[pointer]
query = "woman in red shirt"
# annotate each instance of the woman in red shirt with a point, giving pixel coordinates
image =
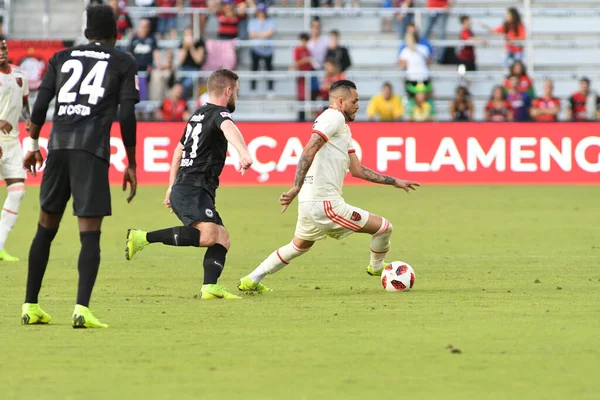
(519, 70)
(513, 30)
(498, 109)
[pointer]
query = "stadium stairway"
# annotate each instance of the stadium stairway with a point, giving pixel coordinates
(64, 19)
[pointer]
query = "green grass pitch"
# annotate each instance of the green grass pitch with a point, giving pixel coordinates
(329, 331)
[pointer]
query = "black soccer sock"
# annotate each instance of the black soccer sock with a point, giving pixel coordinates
(214, 262)
(176, 236)
(38, 260)
(88, 265)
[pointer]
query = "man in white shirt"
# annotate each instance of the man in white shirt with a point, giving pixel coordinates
(322, 211)
(14, 90)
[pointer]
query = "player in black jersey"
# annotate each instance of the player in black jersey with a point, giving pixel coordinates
(197, 163)
(90, 81)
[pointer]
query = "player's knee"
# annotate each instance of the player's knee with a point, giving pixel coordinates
(385, 230)
(16, 192)
(208, 239)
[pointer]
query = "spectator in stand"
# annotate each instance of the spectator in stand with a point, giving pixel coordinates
(228, 21)
(404, 17)
(387, 106)
(167, 20)
(420, 109)
(338, 52)
(153, 20)
(525, 84)
(303, 61)
(333, 74)
(202, 18)
(415, 59)
(174, 107)
(241, 10)
(192, 54)
(412, 28)
(144, 49)
(461, 108)
(498, 108)
(466, 55)
(163, 78)
(519, 101)
(262, 29)
(318, 44)
(547, 107)
(584, 105)
(124, 24)
(439, 17)
(513, 31)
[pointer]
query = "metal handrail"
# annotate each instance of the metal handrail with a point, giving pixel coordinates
(369, 43)
(372, 11)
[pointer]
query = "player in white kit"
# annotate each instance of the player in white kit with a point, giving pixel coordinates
(322, 211)
(13, 103)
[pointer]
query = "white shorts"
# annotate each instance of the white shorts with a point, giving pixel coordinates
(334, 218)
(11, 163)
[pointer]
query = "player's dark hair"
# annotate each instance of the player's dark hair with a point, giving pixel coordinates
(464, 18)
(100, 23)
(387, 84)
(220, 79)
(334, 32)
(585, 79)
(304, 36)
(343, 85)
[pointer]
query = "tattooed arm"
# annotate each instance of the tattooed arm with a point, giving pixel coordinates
(360, 171)
(306, 159)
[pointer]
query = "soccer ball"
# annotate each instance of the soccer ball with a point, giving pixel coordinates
(398, 276)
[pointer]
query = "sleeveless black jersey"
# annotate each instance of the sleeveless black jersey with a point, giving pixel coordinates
(204, 148)
(89, 82)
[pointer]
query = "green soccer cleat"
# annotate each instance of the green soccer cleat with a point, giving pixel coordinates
(32, 314)
(248, 285)
(136, 241)
(4, 256)
(373, 272)
(83, 318)
(212, 292)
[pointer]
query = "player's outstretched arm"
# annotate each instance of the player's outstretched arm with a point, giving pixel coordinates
(306, 159)
(358, 170)
(129, 134)
(234, 136)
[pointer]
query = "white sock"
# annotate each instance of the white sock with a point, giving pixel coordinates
(276, 261)
(380, 244)
(8, 217)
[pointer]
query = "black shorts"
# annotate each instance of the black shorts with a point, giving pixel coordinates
(79, 174)
(194, 204)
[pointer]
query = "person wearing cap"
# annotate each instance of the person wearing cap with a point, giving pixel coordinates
(261, 29)
(420, 109)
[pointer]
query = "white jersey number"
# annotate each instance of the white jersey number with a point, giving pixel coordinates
(91, 85)
(195, 139)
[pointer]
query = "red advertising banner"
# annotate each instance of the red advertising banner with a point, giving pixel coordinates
(33, 57)
(432, 153)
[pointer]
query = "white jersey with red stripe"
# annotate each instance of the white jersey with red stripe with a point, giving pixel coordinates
(13, 89)
(325, 177)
